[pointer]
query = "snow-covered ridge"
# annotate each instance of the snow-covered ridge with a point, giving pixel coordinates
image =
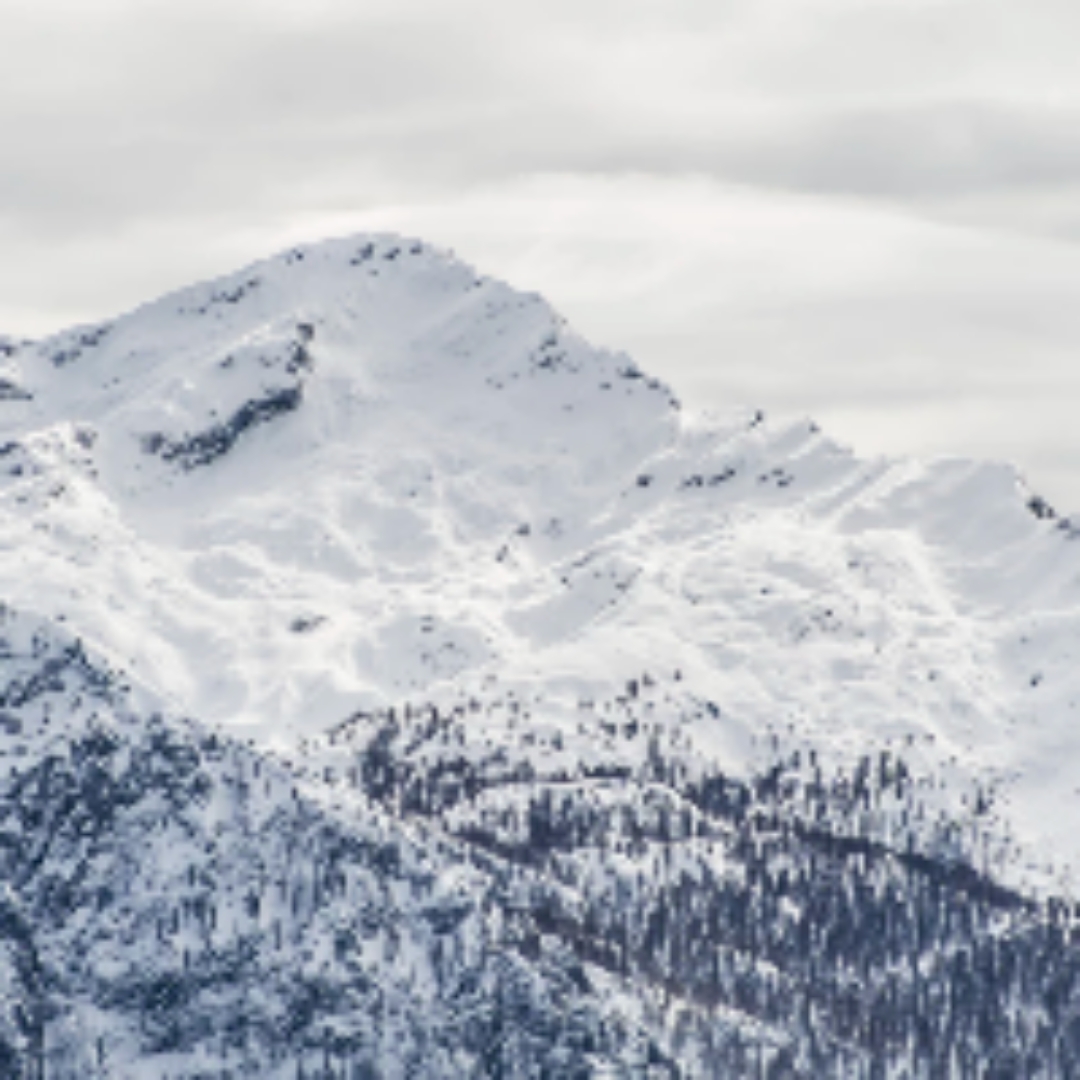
(359, 470)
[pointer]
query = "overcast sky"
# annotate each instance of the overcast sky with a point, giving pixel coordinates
(865, 211)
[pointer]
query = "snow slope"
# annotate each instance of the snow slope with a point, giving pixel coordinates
(359, 471)
(362, 510)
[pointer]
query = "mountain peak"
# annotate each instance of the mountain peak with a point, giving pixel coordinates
(368, 586)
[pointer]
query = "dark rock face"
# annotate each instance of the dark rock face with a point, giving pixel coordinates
(12, 391)
(77, 343)
(278, 373)
(206, 446)
(433, 906)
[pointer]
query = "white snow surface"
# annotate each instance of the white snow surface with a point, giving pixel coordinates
(359, 473)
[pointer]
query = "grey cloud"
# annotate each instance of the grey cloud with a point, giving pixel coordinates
(942, 148)
(136, 112)
(194, 115)
(828, 51)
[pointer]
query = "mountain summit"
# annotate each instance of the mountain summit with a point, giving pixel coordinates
(393, 684)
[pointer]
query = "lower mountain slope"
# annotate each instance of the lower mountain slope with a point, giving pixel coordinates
(418, 902)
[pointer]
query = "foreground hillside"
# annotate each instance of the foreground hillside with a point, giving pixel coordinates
(392, 684)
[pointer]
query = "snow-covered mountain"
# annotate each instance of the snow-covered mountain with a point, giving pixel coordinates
(393, 684)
